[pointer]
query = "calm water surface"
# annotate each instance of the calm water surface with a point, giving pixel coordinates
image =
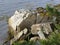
(8, 7)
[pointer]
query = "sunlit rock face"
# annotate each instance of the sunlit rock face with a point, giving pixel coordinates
(17, 19)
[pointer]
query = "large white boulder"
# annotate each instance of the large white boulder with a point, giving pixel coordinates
(17, 18)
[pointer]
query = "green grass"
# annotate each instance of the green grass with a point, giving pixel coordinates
(54, 39)
(24, 43)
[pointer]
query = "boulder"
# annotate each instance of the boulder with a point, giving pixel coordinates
(17, 19)
(37, 30)
(40, 29)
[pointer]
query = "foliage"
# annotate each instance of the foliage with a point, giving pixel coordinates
(57, 26)
(52, 11)
(54, 39)
(24, 43)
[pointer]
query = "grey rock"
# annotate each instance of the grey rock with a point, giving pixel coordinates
(17, 19)
(36, 29)
(40, 29)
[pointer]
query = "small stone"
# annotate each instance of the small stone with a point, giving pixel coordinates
(25, 31)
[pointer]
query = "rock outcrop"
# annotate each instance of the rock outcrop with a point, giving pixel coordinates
(24, 23)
